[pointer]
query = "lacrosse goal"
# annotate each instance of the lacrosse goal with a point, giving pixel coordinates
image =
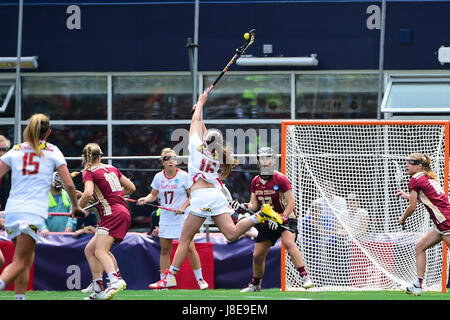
(338, 166)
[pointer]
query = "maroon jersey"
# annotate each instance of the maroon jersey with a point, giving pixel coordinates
(433, 197)
(272, 191)
(107, 188)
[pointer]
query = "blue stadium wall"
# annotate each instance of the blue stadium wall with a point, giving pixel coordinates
(151, 35)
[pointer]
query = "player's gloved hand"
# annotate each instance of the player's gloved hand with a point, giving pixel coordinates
(238, 207)
(273, 225)
(285, 219)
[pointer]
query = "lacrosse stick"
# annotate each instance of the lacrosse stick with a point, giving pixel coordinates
(67, 214)
(151, 205)
(398, 179)
(250, 38)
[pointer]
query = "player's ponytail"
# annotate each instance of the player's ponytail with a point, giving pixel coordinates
(227, 164)
(36, 130)
(91, 153)
(426, 165)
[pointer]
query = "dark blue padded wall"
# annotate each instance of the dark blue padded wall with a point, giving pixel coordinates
(151, 36)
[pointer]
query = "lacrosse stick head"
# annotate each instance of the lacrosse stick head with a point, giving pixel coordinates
(398, 173)
(248, 43)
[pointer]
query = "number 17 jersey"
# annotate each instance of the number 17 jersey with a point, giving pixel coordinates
(172, 194)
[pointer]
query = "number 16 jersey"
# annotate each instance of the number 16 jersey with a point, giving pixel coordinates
(202, 164)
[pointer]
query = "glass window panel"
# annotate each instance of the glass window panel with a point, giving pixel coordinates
(418, 96)
(7, 99)
(71, 139)
(152, 97)
(249, 96)
(336, 96)
(65, 98)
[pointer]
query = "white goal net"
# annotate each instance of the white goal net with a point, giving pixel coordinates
(344, 177)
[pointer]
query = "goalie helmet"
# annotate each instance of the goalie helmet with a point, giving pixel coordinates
(266, 169)
(57, 181)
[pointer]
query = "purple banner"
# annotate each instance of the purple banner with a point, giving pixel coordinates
(60, 263)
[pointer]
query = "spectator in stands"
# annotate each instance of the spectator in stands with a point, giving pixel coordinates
(154, 223)
(86, 225)
(59, 202)
(32, 164)
(354, 222)
(5, 181)
(320, 233)
(171, 186)
(105, 183)
(356, 218)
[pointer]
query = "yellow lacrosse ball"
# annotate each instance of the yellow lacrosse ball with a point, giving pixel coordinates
(246, 36)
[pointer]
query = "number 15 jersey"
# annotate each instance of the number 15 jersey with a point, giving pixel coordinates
(202, 164)
(31, 177)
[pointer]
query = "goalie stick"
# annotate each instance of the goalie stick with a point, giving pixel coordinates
(253, 212)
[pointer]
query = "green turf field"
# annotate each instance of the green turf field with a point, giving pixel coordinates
(232, 294)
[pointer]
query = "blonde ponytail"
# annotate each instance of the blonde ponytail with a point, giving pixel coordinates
(36, 130)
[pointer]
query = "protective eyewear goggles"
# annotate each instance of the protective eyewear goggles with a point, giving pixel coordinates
(413, 162)
(167, 158)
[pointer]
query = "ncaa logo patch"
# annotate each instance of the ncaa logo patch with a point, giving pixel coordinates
(275, 187)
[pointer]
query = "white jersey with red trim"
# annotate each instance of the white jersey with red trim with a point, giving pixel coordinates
(172, 195)
(202, 164)
(31, 177)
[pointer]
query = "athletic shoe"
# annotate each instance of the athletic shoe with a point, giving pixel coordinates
(97, 296)
(307, 283)
(167, 281)
(412, 289)
(252, 288)
(267, 213)
(89, 288)
(115, 288)
(203, 285)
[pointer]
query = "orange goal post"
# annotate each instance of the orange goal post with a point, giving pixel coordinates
(344, 176)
